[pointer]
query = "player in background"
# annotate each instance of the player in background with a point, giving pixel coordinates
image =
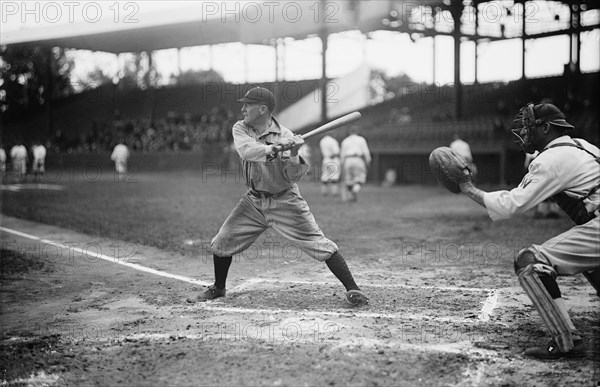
(463, 150)
(568, 170)
(355, 158)
(18, 155)
(39, 159)
(119, 156)
(273, 199)
(331, 167)
(2, 162)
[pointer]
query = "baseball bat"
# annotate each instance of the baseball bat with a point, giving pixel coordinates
(343, 120)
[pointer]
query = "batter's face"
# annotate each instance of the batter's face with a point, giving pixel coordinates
(254, 113)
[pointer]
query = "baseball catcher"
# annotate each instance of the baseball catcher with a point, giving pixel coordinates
(568, 171)
(271, 165)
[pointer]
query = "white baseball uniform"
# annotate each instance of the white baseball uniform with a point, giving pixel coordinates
(558, 169)
(331, 168)
(120, 155)
(355, 157)
(39, 158)
(2, 160)
(18, 154)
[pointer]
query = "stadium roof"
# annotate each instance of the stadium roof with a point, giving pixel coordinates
(252, 23)
(260, 22)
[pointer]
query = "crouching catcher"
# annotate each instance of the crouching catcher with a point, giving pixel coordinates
(567, 170)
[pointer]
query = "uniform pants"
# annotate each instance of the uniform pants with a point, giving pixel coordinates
(287, 213)
(575, 251)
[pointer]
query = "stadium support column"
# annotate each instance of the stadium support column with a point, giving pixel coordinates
(50, 88)
(476, 41)
(456, 10)
(323, 83)
(574, 38)
(523, 40)
(275, 44)
(179, 65)
(433, 61)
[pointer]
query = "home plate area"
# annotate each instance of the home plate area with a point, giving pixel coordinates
(287, 312)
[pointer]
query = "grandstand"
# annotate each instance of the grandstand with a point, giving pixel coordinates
(196, 118)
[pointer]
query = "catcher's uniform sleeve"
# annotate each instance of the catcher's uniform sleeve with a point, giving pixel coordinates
(247, 146)
(539, 183)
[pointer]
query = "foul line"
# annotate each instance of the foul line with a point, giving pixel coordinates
(106, 258)
(484, 316)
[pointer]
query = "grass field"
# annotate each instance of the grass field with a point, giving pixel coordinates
(429, 260)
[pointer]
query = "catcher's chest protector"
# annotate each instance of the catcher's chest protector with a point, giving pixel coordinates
(573, 207)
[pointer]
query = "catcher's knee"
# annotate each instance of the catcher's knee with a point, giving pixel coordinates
(524, 258)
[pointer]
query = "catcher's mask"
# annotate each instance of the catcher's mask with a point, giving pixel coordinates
(531, 116)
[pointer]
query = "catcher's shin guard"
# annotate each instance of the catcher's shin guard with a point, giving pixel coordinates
(559, 329)
(594, 278)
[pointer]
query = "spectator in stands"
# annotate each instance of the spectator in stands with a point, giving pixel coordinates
(39, 158)
(463, 150)
(119, 156)
(356, 158)
(18, 155)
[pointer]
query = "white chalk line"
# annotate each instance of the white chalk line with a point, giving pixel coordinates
(484, 316)
(349, 314)
(106, 258)
(252, 281)
(489, 305)
(19, 187)
(486, 312)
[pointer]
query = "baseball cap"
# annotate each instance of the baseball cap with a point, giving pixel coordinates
(550, 113)
(259, 95)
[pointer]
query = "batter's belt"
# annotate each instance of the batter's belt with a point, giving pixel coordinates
(267, 195)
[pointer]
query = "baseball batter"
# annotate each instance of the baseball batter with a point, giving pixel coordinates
(271, 167)
(331, 167)
(567, 170)
(355, 157)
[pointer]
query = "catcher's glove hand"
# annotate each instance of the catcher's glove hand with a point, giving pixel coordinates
(449, 169)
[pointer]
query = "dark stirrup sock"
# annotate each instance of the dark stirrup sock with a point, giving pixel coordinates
(221, 269)
(550, 285)
(338, 267)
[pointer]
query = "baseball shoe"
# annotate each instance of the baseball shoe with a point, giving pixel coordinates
(210, 294)
(551, 351)
(356, 297)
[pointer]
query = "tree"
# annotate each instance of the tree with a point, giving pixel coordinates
(31, 77)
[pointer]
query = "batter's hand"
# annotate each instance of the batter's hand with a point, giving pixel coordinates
(292, 144)
(298, 142)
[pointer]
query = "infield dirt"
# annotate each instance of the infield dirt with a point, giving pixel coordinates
(436, 318)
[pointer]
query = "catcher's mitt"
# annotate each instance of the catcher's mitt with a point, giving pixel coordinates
(449, 169)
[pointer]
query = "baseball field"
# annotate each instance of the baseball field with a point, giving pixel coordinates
(96, 270)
